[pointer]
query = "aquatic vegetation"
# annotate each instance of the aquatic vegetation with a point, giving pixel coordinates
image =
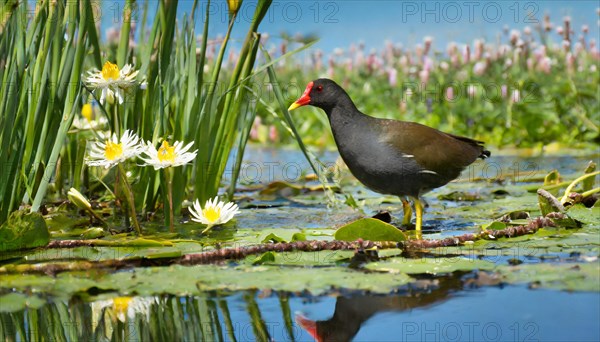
(114, 151)
(112, 81)
(213, 212)
(82, 117)
(167, 155)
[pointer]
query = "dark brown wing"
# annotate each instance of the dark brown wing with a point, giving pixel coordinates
(442, 153)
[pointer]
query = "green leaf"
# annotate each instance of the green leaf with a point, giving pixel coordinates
(263, 258)
(552, 178)
(430, 265)
(14, 302)
(588, 183)
(586, 215)
(298, 237)
(184, 280)
(369, 229)
(570, 277)
(272, 238)
(22, 231)
(494, 226)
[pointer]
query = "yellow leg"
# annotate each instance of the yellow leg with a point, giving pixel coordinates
(407, 211)
(419, 213)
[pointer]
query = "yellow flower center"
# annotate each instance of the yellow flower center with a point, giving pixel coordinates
(109, 71)
(120, 304)
(86, 111)
(211, 214)
(113, 150)
(166, 152)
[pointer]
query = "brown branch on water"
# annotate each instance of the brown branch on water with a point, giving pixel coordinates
(507, 232)
(220, 255)
(298, 246)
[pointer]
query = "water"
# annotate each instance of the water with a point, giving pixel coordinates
(462, 306)
(448, 311)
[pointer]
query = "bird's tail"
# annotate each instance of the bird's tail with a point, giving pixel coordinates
(485, 154)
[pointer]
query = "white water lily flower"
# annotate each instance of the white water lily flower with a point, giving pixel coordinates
(124, 308)
(88, 119)
(111, 81)
(113, 151)
(213, 213)
(167, 155)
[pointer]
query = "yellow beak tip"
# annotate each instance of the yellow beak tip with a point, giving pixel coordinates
(293, 106)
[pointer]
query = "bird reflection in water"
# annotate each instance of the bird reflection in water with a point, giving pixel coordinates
(351, 312)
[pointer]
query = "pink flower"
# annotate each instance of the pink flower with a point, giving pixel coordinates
(254, 130)
(504, 90)
(450, 94)
(479, 68)
(427, 63)
(570, 61)
(478, 49)
(273, 133)
(466, 54)
(545, 65)
(529, 63)
(514, 37)
(451, 49)
(427, 40)
(585, 29)
(349, 64)
(392, 77)
(424, 75)
(540, 52)
(516, 95)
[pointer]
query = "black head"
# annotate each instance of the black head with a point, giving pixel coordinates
(323, 93)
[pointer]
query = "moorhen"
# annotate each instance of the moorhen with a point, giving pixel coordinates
(390, 156)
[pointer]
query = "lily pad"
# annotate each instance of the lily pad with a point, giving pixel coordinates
(22, 231)
(570, 277)
(586, 215)
(183, 280)
(494, 226)
(263, 258)
(430, 265)
(16, 302)
(369, 229)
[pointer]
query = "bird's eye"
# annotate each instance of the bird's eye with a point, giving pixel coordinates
(319, 88)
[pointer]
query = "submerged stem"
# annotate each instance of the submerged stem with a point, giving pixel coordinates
(169, 178)
(130, 200)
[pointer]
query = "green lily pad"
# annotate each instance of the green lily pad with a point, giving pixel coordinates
(184, 280)
(295, 258)
(430, 265)
(263, 258)
(369, 229)
(23, 231)
(16, 302)
(586, 215)
(494, 226)
(283, 236)
(570, 277)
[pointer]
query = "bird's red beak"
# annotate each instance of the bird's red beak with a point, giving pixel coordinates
(304, 99)
(308, 325)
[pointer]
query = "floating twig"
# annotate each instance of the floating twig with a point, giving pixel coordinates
(220, 255)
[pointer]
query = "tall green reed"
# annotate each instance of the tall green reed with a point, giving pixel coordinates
(45, 58)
